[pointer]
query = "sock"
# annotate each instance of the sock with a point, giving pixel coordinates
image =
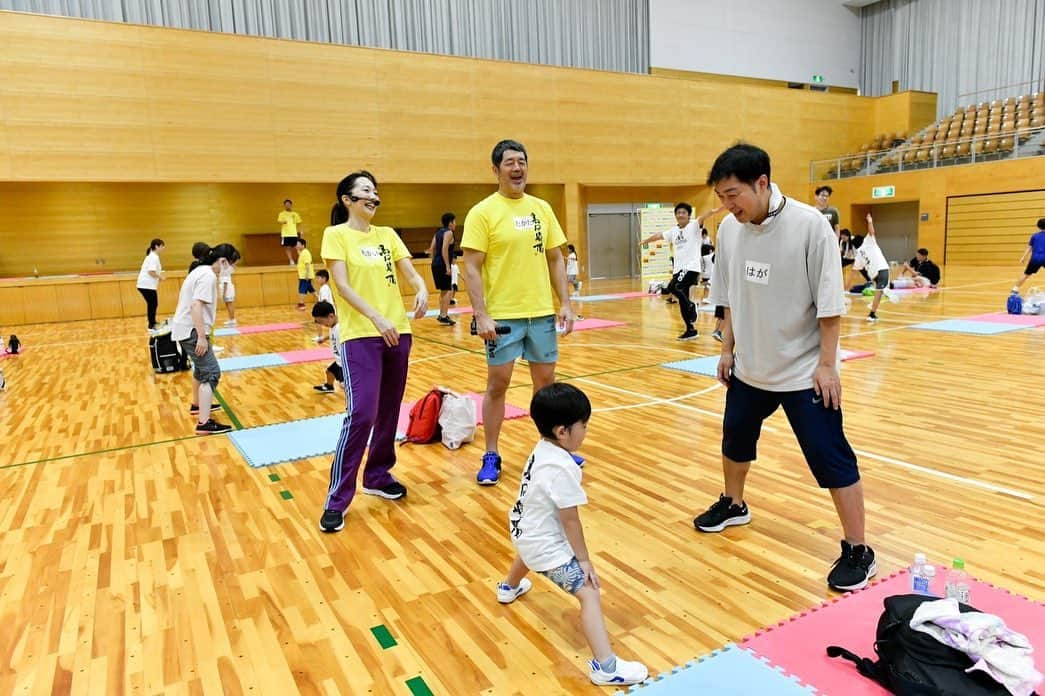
(609, 665)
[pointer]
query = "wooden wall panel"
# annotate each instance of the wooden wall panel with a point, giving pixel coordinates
(931, 189)
(12, 306)
(992, 228)
(248, 290)
(41, 304)
(106, 300)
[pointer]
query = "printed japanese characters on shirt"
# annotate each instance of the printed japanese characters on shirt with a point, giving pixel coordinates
(380, 254)
(532, 223)
(515, 516)
(756, 272)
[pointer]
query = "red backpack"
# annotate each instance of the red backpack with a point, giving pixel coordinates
(424, 419)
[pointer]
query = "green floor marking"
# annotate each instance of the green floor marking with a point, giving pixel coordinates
(273, 477)
(285, 495)
(228, 411)
(418, 687)
(384, 637)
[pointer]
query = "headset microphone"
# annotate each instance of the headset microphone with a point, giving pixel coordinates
(356, 199)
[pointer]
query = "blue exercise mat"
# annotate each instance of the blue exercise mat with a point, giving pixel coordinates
(247, 362)
(981, 328)
(731, 671)
(285, 442)
(229, 331)
(707, 366)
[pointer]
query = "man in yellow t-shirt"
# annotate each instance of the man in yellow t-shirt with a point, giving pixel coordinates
(305, 273)
(512, 259)
(291, 228)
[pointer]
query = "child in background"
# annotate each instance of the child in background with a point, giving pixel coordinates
(545, 526)
(305, 273)
(13, 345)
(227, 292)
(454, 271)
(323, 294)
(324, 315)
(573, 270)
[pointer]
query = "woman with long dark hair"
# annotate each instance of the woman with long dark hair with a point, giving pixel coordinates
(366, 263)
(197, 303)
(149, 278)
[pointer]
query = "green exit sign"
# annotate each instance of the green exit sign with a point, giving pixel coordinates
(818, 79)
(883, 191)
(653, 205)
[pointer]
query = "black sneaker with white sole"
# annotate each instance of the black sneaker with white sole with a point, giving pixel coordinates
(332, 521)
(324, 388)
(393, 491)
(688, 335)
(445, 321)
(853, 568)
(212, 427)
(194, 409)
(722, 514)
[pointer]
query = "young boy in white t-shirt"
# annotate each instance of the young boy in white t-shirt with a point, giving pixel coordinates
(545, 526)
(323, 294)
(324, 315)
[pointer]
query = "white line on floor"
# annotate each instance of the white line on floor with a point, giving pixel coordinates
(672, 400)
(976, 483)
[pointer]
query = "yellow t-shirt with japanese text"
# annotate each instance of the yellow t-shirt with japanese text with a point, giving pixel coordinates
(514, 233)
(370, 262)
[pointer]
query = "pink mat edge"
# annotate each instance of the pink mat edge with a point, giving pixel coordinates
(306, 355)
(1032, 320)
(856, 354)
(595, 323)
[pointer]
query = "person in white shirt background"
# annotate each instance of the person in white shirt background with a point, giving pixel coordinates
(149, 278)
(573, 269)
(323, 294)
(228, 292)
(869, 257)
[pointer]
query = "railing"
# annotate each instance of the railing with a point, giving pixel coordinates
(1037, 85)
(978, 148)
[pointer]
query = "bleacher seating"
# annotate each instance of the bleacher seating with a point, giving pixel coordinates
(983, 131)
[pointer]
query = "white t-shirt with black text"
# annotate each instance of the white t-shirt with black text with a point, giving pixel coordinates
(201, 284)
(335, 343)
(870, 257)
(686, 243)
(551, 481)
(778, 280)
(325, 294)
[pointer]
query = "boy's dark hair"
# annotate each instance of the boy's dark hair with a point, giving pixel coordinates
(1041, 223)
(923, 251)
(858, 241)
(499, 149)
(324, 274)
(684, 206)
(823, 188)
(845, 231)
(558, 404)
(301, 241)
(571, 248)
(745, 162)
(322, 309)
(287, 200)
(448, 218)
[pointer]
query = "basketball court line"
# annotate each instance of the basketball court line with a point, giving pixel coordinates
(976, 483)
(713, 387)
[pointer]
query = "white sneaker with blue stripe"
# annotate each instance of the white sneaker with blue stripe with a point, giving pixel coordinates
(506, 594)
(627, 672)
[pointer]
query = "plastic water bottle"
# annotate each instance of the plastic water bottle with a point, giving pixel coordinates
(919, 583)
(957, 585)
(929, 573)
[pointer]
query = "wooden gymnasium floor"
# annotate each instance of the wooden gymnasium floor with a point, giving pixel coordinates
(135, 558)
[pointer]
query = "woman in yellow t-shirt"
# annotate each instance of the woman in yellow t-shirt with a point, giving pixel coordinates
(365, 264)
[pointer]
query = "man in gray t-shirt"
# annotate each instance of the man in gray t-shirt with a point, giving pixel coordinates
(779, 276)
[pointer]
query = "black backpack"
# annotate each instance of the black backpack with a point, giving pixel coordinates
(912, 663)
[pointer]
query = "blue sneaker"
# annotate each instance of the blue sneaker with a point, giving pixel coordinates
(490, 472)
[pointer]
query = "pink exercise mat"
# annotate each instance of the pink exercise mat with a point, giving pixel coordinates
(510, 411)
(856, 354)
(307, 355)
(266, 328)
(588, 324)
(798, 644)
(1014, 319)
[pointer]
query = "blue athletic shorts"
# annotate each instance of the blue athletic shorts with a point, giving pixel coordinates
(534, 339)
(305, 287)
(569, 576)
(818, 429)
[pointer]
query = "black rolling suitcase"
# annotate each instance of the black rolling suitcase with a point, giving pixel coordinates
(166, 355)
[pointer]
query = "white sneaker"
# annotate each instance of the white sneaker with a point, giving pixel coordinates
(231, 322)
(891, 296)
(872, 319)
(506, 594)
(317, 339)
(627, 672)
(217, 349)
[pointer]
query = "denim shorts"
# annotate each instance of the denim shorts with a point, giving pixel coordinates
(205, 368)
(569, 576)
(534, 339)
(818, 429)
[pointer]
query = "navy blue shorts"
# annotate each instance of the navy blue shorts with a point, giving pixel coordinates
(818, 429)
(305, 287)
